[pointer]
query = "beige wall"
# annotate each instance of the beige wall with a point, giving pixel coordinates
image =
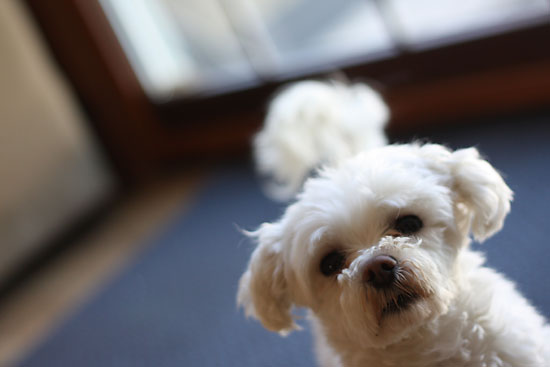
(49, 168)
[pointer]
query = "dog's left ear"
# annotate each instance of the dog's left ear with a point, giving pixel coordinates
(263, 288)
(482, 190)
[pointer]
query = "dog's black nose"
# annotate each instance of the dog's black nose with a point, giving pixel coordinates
(380, 271)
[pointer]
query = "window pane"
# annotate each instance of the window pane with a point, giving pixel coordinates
(179, 47)
(182, 47)
(190, 46)
(309, 34)
(426, 23)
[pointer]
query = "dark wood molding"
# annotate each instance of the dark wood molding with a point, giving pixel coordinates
(497, 74)
(498, 91)
(88, 52)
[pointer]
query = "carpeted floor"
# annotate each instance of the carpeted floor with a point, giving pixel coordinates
(176, 305)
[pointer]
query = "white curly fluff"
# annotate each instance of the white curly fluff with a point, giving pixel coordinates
(313, 122)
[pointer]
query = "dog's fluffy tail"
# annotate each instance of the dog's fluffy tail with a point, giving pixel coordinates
(311, 123)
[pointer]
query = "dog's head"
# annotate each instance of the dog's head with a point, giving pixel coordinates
(371, 245)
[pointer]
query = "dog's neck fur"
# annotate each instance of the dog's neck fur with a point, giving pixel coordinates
(429, 343)
(448, 340)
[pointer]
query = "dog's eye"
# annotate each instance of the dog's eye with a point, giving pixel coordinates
(408, 224)
(332, 263)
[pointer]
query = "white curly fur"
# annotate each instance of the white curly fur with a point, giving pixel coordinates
(315, 122)
(464, 314)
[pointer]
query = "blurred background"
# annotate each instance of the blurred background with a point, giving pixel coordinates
(124, 154)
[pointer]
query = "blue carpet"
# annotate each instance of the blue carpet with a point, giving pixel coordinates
(176, 305)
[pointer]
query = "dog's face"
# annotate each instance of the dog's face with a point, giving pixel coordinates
(372, 246)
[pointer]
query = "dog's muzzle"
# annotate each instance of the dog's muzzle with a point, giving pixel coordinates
(390, 285)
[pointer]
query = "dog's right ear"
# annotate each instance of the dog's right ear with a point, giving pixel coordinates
(263, 289)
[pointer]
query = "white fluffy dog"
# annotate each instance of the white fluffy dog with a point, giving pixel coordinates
(376, 246)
